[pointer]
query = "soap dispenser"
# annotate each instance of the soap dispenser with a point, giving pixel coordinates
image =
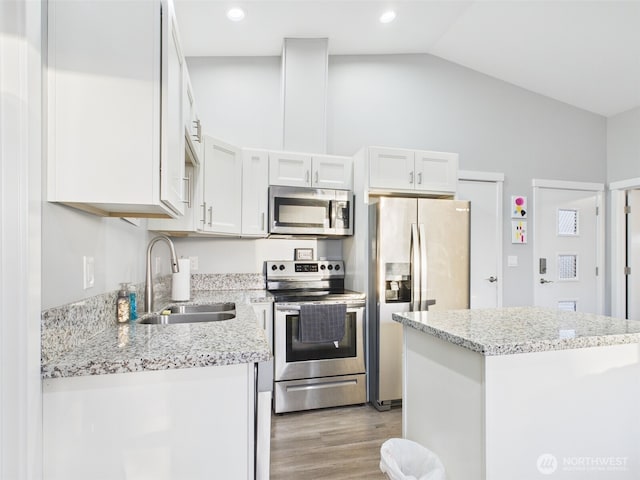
(122, 304)
(133, 303)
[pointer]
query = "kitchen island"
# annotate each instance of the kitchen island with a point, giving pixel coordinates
(158, 401)
(523, 393)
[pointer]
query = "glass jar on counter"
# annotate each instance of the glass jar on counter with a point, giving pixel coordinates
(122, 304)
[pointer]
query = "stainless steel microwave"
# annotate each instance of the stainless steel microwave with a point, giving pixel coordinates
(310, 211)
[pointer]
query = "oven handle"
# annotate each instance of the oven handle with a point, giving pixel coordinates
(317, 386)
(296, 309)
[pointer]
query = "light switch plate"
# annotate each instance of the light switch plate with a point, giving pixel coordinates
(88, 272)
(193, 263)
(512, 261)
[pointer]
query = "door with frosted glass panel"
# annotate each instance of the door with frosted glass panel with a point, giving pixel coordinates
(567, 249)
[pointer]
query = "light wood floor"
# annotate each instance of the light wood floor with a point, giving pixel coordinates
(333, 443)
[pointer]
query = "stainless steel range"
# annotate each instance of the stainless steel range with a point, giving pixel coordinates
(318, 336)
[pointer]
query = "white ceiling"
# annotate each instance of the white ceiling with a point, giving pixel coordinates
(584, 53)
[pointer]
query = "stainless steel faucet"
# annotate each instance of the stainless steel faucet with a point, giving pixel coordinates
(148, 288)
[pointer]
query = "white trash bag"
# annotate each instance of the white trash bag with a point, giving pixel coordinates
(403, 459)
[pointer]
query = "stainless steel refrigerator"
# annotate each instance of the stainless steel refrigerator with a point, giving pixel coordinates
(419, 260)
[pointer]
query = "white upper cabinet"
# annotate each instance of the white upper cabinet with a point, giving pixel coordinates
(255, 192)
(436, 171)
(391, 168)
(190, 221)
(395, 169)
(172, 155)
(222, 187)
(115, 134)
(331, 171)
(192, 125)
(306, 170)
(293, 169)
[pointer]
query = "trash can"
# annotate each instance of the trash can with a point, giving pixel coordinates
(403, 459)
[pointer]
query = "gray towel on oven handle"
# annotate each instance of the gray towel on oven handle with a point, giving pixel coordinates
(321, 323)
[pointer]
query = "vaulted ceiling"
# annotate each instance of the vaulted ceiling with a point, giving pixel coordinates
(584, 53)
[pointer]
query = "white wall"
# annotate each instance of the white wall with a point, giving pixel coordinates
(238, 99)
(118, 249)
(623, 146)
(418, 101)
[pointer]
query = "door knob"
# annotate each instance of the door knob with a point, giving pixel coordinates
(543, 281)
(492, 279)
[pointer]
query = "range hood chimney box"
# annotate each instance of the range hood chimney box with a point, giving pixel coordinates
(304, 94)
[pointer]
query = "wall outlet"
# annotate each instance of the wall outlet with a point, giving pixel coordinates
(193, 263)
(88, 272)
(157, 266)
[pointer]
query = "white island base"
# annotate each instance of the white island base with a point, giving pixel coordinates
(558, 414)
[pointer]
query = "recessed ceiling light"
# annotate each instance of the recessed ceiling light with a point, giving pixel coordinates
(235, 14)
(388, 16)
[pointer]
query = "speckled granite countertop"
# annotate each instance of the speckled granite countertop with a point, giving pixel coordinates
(504, 331)
(135, 347)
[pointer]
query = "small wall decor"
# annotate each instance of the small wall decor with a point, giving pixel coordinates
(518, 206)
(519, 231)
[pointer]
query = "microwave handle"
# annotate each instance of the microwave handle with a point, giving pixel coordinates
(333, 209)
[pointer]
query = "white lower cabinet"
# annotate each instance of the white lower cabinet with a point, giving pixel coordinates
(194, 423)
(264, 315)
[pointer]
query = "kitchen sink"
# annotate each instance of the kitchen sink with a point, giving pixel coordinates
(215, 307)
(192, 317)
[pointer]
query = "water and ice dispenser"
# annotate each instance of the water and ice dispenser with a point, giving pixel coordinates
(397, 282)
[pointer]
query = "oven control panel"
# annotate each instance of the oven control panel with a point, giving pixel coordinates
(302, 269)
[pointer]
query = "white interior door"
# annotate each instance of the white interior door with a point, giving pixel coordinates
(568, 269)
(633, 255)
(486, 241)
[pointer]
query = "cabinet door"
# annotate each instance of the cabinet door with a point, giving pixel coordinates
(264, 314)
(255, 192)
(292, 169)
(222, 187)
(104, 116)
(172, 153)
(391, 168)
(189, 221)
(188, 423)
(436, 171)
(332, 172)
(192, 126)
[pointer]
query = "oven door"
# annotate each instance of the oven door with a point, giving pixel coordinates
(297, 360)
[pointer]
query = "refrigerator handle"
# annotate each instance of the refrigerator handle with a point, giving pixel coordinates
(423, 268)
(415, 268)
